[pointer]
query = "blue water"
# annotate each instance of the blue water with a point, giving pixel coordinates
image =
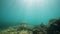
(16, 11)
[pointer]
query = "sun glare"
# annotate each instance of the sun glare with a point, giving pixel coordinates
(30, 3)
(35, 1)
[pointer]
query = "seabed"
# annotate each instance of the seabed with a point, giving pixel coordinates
(23, 28)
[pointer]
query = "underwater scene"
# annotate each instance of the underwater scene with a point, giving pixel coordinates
(30, 17)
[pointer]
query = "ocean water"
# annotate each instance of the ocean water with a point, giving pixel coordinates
(30, 11)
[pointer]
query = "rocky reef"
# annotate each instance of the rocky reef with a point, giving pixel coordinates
(23, 28)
